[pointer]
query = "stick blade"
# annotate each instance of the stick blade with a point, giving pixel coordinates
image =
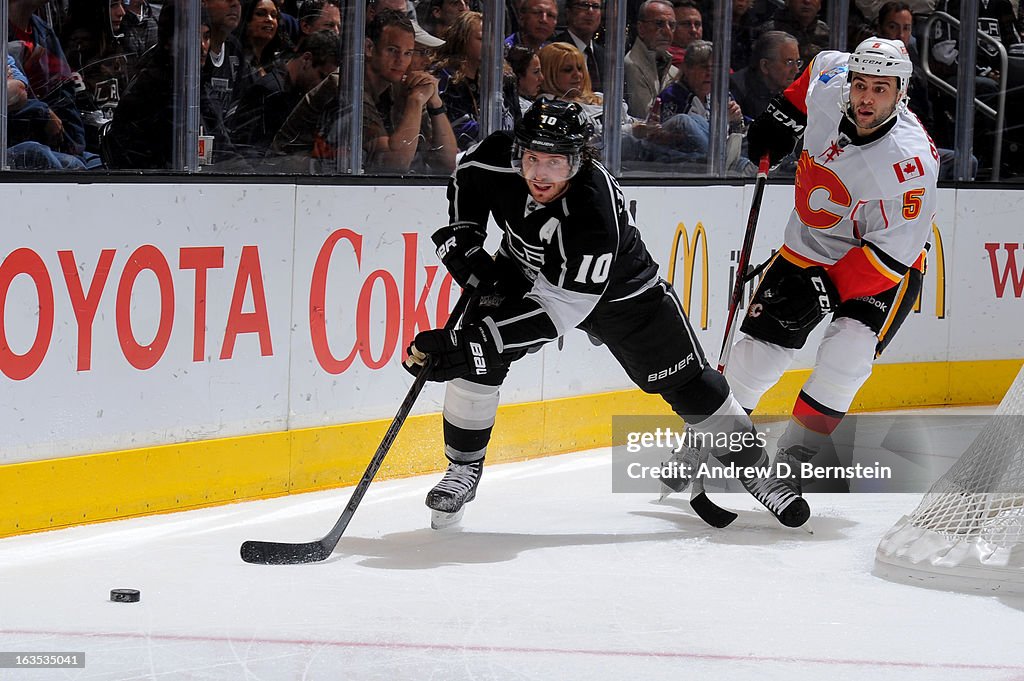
(710, 512)
(276, 553)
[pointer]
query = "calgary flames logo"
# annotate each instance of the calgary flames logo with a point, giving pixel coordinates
(811, 177)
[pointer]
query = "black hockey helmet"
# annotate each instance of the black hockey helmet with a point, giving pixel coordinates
(553, 126)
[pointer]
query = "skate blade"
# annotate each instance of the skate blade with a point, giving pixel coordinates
(441, 520)
(807, 527)
(667, 491)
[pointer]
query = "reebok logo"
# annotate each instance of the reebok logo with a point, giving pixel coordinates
(870, 300)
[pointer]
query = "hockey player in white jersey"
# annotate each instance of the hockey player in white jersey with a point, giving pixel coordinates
(570, 256)
(855, 242)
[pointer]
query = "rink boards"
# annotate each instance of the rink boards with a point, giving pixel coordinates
(172, 346)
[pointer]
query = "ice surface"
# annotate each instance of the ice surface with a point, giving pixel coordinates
(552, 577)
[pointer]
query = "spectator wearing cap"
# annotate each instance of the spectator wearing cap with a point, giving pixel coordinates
(399, 134)
(775, 64)
(583, 23)
(425, 49)
(405, 123)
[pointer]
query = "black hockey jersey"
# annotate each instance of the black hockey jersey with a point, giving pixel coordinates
(579, 252)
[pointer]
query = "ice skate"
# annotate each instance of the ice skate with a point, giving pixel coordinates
(457, 488)
(793, 456)
(780, 496)
(681, 467)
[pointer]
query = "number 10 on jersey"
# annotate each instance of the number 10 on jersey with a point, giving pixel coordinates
(601, 266)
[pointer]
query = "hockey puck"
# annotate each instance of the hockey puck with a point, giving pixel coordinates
(124, 595)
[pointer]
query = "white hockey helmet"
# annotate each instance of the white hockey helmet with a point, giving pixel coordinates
(882, 57)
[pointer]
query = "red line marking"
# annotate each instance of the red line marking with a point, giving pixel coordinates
(526, 650)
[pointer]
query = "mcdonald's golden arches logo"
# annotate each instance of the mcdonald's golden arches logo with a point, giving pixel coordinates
(939, 262)
(689, 255)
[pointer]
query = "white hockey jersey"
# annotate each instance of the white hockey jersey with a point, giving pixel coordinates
(863, 206)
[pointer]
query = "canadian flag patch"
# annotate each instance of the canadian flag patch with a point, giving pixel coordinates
(908, 169)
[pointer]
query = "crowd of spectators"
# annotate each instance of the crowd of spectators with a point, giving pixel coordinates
(90, 83)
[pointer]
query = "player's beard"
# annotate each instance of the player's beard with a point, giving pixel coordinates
(879, 119)
(552, 191)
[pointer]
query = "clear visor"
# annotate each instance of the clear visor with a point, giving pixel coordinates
(539, 166)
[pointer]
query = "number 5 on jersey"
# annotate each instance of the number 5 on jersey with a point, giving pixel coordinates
(599, 273)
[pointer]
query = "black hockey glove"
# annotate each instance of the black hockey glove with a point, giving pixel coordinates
(801, 300)
(775, 131)
(454, 354)
(460, 246)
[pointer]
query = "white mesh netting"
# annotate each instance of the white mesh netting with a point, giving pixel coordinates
(968, 531)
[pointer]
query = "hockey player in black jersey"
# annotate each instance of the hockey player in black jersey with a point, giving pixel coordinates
(570, 257)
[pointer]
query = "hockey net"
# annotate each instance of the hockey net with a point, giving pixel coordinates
(967, 533)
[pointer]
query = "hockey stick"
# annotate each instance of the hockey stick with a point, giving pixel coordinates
(741, 269)
(282, 553)
(707, 510)
(700, 502)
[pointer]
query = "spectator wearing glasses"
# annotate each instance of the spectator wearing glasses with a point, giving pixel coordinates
(648, 64)
(584, 21)
(424, 55)
(537, 20)
(405, 126)
(799, 18)
(689, 27)
(686, 111)
(775, 64)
